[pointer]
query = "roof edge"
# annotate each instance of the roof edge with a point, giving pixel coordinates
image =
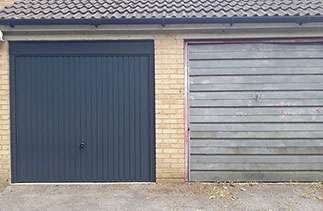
(163, 21)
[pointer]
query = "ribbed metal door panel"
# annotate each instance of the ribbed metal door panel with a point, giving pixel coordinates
(103, 101)
(255, 112)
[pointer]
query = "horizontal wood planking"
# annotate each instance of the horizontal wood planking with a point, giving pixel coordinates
(270, 99)
(255, 48)
(257, 79)
(287, 111)
(260, 176)
(256, 143)
(282, 95)
(257, 159)
(253, 102)
(256, 135)
(257, 127)
(256, 166)
(260, 119)
(238, 150)
(257, 55)
(256, 87)
(254, 70)
(254, 63)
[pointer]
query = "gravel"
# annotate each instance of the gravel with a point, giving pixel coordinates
(192, 196)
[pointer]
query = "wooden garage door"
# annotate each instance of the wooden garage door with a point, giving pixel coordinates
(256, 112)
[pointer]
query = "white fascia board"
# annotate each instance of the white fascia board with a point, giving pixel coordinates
(151, 28)
(144, 32)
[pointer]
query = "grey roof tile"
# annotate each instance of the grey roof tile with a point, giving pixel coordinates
(135, 9)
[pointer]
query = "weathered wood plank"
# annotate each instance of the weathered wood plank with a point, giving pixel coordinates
(256, 135)
(256, 166)
(257, 159)
(255, 87)
(257, 150)
(254, 70)
(257, 143)
(286, 111)
(256, 47)
(252, 176)
(261, 102)
(255, 55)
(266, 118)
(284, 95)
(257, 79)
(256, 63)
(257, 127)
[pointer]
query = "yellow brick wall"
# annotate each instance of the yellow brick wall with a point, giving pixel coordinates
(4, 108)
(4, 3)
(4, 115)
(169, 85)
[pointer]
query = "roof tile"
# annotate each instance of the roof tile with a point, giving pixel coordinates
(132, 9)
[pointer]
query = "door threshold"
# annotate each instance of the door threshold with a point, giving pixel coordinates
(85, 183)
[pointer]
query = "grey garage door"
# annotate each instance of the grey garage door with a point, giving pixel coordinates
(256, 112)
(82, 111)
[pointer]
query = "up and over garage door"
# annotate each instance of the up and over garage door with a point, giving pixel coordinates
(82, 111)
(255, 111)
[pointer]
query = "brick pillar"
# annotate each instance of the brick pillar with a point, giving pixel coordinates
(4, 115)
(169, 83)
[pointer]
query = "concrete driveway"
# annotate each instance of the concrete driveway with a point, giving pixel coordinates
(163, 197)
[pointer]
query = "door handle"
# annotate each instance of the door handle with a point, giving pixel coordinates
(82, 145)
